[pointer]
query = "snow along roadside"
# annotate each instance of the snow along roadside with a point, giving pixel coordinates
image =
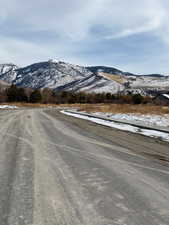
(126, 127)
(8, 107)
(146, 119)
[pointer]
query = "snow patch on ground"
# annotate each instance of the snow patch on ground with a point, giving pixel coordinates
(165, 95)
(8, 107)
(155, 120)
(150, 133)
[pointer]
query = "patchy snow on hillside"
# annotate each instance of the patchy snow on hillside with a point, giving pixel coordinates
(8, 72)
(146, 81)
(8, 107)
(147, 119)
(125, 127)
(63, 76)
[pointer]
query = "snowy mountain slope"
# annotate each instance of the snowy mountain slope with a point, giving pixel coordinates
(105, 69)
(143, 84)
(62, 76)
(65, 76)
(49, 74)
(150, 81)
(8, 72)
(94, 83)
(135, 81)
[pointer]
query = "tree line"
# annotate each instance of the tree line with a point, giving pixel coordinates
(48, 96)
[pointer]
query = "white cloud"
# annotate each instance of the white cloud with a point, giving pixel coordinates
(75, 22)
(20, 51)
(23, 52)
(75, 18)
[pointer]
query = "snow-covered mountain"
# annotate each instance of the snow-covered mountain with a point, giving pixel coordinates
(49, 74)
(65, 76)
(143, 84)
(58, 76)
(8, 72)
(94, 83)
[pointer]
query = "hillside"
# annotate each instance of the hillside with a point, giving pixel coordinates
(65, 76)
(8, 72)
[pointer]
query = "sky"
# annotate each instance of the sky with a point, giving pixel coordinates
(130, 35)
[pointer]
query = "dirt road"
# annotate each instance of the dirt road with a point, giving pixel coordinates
(60, 170)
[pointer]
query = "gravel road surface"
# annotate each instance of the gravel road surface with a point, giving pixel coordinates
(60, 170)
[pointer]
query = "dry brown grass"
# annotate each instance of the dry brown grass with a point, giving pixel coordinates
(122, 108)
(118, 78)
(105, 108)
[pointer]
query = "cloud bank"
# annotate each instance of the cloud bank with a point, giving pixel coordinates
(130, 34)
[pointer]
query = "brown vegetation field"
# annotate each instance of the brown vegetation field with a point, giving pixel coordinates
(121, 108)
(118, 78)
(105, 108)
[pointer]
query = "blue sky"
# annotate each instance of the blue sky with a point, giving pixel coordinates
(130, 35)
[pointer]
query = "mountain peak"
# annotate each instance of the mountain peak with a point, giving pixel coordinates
(53, 61)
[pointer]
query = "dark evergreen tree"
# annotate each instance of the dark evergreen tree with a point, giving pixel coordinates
(21, 95)
(47, 95)
(35, 96)
(12, 93)
(137, 99)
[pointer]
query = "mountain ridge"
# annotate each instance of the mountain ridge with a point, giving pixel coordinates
(60, 75)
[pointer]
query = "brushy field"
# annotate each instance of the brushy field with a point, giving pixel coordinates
(104, 108)
(121, 108)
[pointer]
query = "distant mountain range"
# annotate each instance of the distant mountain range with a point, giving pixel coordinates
(62, 76)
